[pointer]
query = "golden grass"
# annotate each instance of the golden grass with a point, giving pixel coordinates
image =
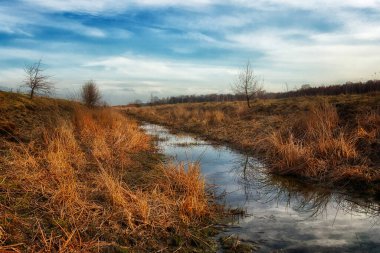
(193, 203)
(314, 146)
(325, 139)
(81, 185)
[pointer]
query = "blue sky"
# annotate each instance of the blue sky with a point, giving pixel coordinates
(133, 49)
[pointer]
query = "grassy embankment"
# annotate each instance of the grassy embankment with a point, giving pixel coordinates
(79, 180)
(328, 140)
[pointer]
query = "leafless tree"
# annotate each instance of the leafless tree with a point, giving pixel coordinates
(91, 94)
(36, 81)
(247, 84)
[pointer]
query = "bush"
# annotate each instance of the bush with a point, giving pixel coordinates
(90, 94)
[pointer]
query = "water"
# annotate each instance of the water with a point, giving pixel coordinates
(284, 215)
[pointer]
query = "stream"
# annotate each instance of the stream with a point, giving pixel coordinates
(284, 215)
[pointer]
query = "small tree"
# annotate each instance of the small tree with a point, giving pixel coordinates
(247, 84)
(36, 81)
(90, 94)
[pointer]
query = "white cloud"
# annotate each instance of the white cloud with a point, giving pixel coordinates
(78, 5)
(214, 22)
(23, 21)
(14, 30)
(80, 29)
(323, 58)
(11, 77)
(13, 22)
(309, 4)
(167, 73)
(146, 75)
(104, 6)
(98, 6)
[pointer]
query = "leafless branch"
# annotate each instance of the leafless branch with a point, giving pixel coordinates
(36, 81)
(247, 83)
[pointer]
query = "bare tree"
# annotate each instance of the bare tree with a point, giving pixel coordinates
(91, 94)
(247, 84)
(36, 81)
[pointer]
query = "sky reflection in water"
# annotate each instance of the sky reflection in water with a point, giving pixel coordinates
(284, 214)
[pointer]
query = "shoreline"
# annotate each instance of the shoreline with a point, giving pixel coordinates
(266, 136)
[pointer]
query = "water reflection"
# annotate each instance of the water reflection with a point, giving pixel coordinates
(302, 197)
(286, 214)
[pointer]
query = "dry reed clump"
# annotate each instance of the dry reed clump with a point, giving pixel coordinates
(317, 147)
(240, 110)
(214, 117)
(175, 197)
(293, 154)
(109, 136)
(369, 126)
(69, 190)
(187, 186)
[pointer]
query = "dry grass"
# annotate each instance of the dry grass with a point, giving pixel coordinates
(330, 139)
(80, 183)
(316, 146)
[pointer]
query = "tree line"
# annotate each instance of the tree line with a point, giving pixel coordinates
(306, 90)
(331, 90)
(248, 86)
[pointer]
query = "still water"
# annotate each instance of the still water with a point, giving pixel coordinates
(284, 215)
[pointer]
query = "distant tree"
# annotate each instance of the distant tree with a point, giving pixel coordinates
(247, 84)
(154, 99)
(36, 81)
(137, 102)
(90, 94)
(286, 87)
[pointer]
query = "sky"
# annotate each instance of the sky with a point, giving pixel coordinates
(134, 49)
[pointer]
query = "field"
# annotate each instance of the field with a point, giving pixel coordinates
(74, 179)
(332, 140)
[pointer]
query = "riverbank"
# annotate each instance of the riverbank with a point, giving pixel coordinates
(331, 140)
(276, 213)
(79, 180)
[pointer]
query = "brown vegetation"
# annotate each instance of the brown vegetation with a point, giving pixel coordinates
(79, 180)
(90, 94)
(325, 139)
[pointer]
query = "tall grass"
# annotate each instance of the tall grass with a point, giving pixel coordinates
(332, 139)
(77, 187)
(317, 146)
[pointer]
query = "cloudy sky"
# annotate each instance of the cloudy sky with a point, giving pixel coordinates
(135, 48)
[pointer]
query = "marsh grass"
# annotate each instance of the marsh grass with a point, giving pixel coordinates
(316, 146)
(326, 139)
(79, 183)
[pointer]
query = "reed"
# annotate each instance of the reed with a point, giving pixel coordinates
(325, 139)
(313, 146)
(82, 184)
